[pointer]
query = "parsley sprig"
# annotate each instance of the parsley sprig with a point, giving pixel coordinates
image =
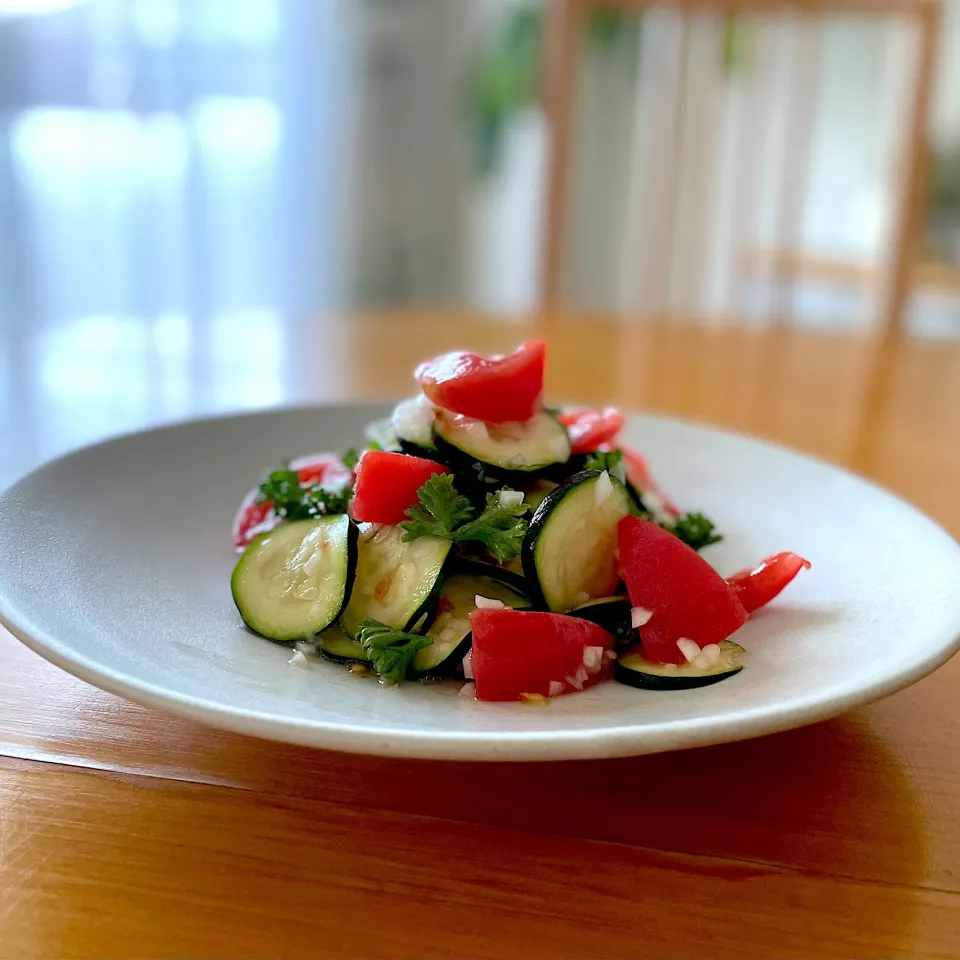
(695, 530)
(293, 500)
(442, 511)
(390, 651)
(609, 460)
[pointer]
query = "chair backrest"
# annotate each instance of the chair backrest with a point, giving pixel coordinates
(734, 172)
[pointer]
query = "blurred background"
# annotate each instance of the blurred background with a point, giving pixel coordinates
(194, 193)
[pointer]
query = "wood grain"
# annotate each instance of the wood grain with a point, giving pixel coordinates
(128, 832)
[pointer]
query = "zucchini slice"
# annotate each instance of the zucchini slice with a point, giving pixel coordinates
(398, 582)
(569, 549)
(293, 581)
(502, 447)
(333, 644)
(611, 613)
(450, 632)
(505, 573)
(538, 492)
(636, 671)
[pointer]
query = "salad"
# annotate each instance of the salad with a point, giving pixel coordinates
(482, 537)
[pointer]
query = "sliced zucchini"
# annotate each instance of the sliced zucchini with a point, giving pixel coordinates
(569, 549)
(611, 613)
(502, 447)
(636, 671)
(293, 581)
(333, 644)
(537, 493)
(450, 632)
(506, 573)
(397, 582)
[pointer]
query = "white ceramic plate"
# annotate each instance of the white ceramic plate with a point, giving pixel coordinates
(115, 562)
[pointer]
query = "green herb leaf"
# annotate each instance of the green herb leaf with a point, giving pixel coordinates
(695, 530)
(439, 511)
(605, 460)
(390, 651)
(292, 500)
(500, 528)
(350, 458)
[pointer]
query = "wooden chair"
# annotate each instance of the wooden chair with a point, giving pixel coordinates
(891, 276)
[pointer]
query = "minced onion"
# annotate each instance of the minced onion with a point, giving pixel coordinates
(603, 488)
(488, 603)
(592, 657)
(413, 420)
(711, 653)
(639, 617)
(510, 498)
(689, 649)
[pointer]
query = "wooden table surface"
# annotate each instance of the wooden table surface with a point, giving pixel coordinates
(126, 832)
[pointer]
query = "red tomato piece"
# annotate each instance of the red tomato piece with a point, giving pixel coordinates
(685, 596)
(590, 428)
(497, 390)
(253, 517)
(638, 473)
(520, 651)
(387, 484)
(759, 586)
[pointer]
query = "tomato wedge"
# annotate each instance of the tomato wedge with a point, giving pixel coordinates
(759, 586)
(518, 652)
(684, 595)
(387, 484)
(589, 429)
(497, 390)
(253, 517)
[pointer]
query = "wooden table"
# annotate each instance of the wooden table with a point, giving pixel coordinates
(128, 832)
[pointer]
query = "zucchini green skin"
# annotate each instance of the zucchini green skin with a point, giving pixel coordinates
(486, 473)
(334, 645)
(611, 613)
(634, 671)
(254, 619)
(373, 555)
(477, 568)
(461, 589)
(412, 449)
(539, 524)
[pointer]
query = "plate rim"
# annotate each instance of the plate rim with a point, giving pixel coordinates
(459, 745)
